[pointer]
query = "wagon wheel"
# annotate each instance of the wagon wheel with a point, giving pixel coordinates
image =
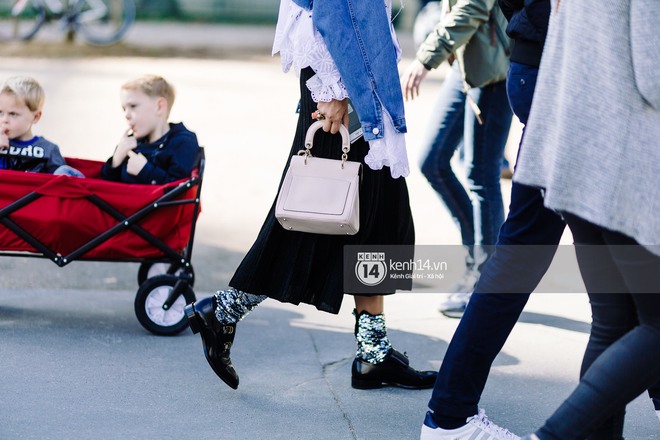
(149, 301)
(150, 270)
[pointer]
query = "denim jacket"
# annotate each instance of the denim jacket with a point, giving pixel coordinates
(358, 38)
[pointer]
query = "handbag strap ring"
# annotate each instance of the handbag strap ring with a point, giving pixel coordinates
(309, 141)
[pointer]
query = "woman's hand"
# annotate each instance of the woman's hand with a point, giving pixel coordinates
(412, 78)
(126, 143)
(335, 113)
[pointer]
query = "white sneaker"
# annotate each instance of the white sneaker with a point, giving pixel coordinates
(477, 427)
(657, 413)
(455, 304)
(466, 283)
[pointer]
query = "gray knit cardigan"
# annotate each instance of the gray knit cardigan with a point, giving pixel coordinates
(593, 136)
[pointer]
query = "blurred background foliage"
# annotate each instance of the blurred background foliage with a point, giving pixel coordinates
(227, 11)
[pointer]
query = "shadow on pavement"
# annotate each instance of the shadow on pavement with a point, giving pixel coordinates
(213, 268)
(79, 366)
(555, 321)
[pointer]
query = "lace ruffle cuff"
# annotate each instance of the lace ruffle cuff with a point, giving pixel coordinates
(326, 89)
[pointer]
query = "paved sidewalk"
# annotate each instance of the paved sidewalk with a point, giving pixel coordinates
(77, 365)
(247, 39)
(195, 40)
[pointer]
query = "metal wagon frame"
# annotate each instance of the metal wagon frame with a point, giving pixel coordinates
(165, 277)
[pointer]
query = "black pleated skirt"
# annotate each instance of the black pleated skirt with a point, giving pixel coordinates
(298, 267)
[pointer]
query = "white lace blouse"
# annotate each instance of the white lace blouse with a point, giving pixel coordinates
(300, 45)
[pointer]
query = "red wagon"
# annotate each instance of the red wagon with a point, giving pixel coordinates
(67, 219)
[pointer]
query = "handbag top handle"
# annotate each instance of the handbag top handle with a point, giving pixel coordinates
(309, 141)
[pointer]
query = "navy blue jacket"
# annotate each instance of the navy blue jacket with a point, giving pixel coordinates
(170, 158)
(528, 26)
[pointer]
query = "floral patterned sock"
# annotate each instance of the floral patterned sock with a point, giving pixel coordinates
(233, 305)
(371, 336)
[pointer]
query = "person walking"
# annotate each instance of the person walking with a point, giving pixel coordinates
(512, 272)
(471, 110)
(526, 246)
(592, 144)
(339, 49)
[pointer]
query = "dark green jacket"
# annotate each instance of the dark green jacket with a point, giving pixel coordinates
(473, 30)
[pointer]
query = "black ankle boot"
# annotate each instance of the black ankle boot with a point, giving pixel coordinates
(394, 370)
(217, 338)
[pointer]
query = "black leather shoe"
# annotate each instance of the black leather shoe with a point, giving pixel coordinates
(393, 371)
(217, 339)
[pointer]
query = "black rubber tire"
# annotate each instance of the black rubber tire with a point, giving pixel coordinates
(148, 306)
(150, 270)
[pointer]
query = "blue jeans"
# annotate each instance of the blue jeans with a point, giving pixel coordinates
(514, 268)
(478, 209)
(621, 359)
(67, 170)
(506, 281)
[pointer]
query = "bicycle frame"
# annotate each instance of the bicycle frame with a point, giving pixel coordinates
(100, 22)
(71, 10)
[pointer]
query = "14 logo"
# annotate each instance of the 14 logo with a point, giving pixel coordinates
(370, 268)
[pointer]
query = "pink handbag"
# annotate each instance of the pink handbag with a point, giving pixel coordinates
(320, 196)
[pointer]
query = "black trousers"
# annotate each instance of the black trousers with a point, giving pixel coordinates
(622, 358)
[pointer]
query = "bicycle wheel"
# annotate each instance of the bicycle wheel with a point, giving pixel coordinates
(104, 22)
(20, 19)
